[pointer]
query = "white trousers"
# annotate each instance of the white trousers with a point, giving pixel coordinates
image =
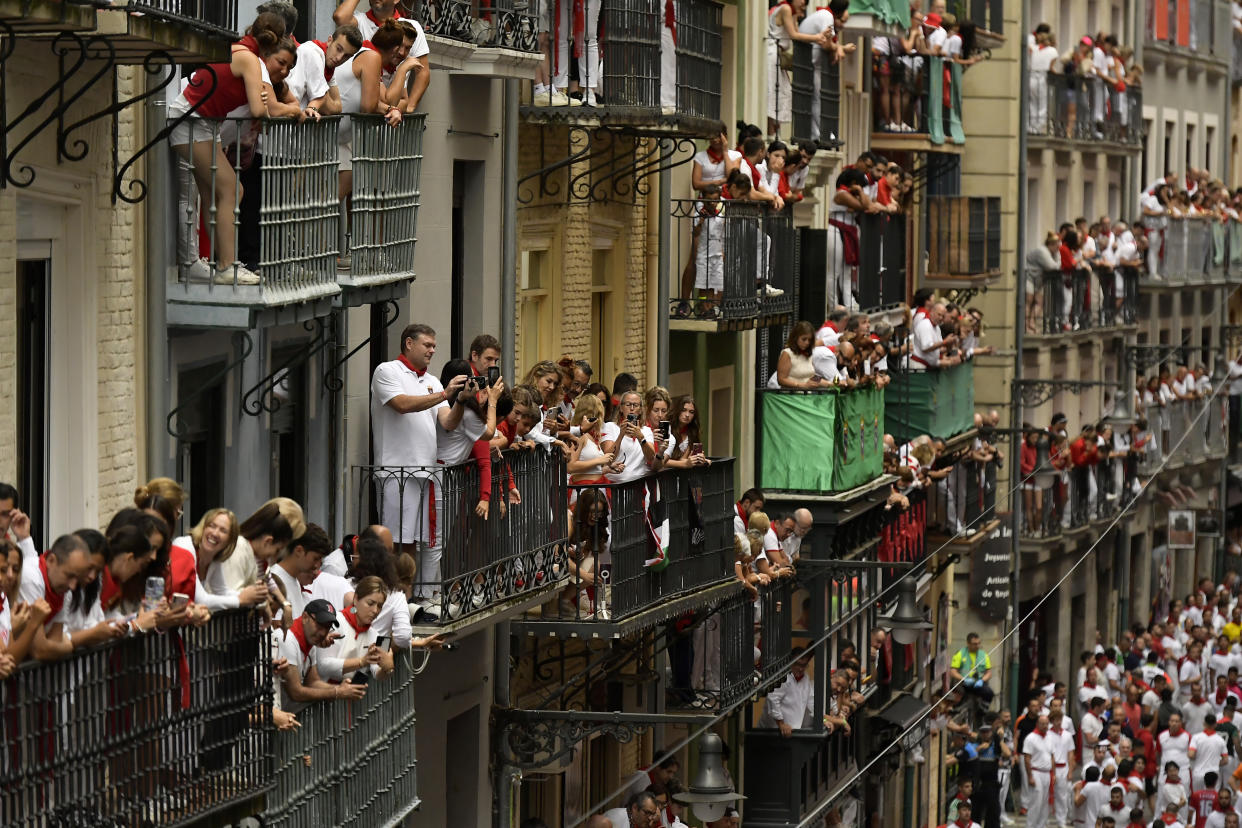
(705, 674)
(668, 68)
(1061, 793)
(1038, 808)
(588, 63)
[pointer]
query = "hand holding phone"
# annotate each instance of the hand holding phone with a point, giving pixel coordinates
(179, 600)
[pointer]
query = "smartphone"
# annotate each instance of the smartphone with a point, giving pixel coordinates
(179, 600)
(696, 448)
(493, 375)
(633, 418)
(380, 641)
(361, 677)
(666, 428)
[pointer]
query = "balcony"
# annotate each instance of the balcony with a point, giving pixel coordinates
(111, 732)
(43, 16)
(320, 767)
(882, 274)
(816, 102)
(820, 442)
(287, 225)
(1183, 29)
(939, 402)
(927, 121)
(687, 511)
(1198, 251)
(787, 778)
(189, 31)
(1074, 108)
(631, 91)
(1086, 299)
(383, 213)
(1068, 500)
(737, 261)
(509, 561)
(963, 241)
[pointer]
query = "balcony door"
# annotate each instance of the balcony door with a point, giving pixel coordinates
(31, 399)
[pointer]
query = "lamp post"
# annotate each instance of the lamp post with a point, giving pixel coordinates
(710, 792)
(907, 621)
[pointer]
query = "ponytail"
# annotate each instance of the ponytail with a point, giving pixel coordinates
(389, 35)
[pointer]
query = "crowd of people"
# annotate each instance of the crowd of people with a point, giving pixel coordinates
(374, 62)
(333, 611)
(1081, 87)
(1145, 733)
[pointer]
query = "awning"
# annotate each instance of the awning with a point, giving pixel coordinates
(906, 712)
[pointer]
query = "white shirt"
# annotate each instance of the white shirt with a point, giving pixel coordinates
(1209, 749)
(393, 620)
(715, 170)
(1061, 742)
(210, 590)
(1086, 694)
(1091, 728)
(628, 451)
(335, 563)
(307, 79)
(1096, 796)
(1040, 751)
(453, 447)
(936, 40)
(1194, 714)
(239, 570)
(824, 361)
(368, 27)
(925, 341)
(792, 702)
(953, 46)
(32, 588)
(1174, 749)
(334, 589)
(403, 439)
(293, 590)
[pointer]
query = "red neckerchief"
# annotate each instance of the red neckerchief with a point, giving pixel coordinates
(55, 600)
(405, 361)
(328, 72)
(1089, 684)
(741, 513)
(1168, 819)
(351, 617)
(299, 633)
(396, 15)
(250, 43)
(782, 184)
(960, 824)
(110, 593)
(1196, 699)
(1221, 695)
(1210, 731)
(716, 158)
(754, 170)
(1114, 808)
(366, 44)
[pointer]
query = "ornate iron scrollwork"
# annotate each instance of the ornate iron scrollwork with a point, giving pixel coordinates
(259, 397)
(1034, 392)
(172, 423)
(528, 742)
(331, 380)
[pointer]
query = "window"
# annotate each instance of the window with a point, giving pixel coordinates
(31, 393)
(1189, 159)
(534, 308)
(1209, 133)
(1088, 201)
(1170, 163)
(602, 302)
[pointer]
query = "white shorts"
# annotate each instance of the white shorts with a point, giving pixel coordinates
(709, 275)
(345, 156)
(193, 129)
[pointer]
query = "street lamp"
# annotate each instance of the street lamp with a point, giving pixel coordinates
(907, 621)
(710, 792)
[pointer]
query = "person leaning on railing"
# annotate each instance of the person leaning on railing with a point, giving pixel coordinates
(214, 92)
(782, 31)
(770, 560)
(794, 368)
(298, 664)
(686, 449)
(360, 82)
(405, 85)
(313, 78)
(632, 443)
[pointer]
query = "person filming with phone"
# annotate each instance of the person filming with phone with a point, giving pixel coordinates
(632, 443)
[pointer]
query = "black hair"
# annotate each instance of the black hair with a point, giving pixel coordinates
(8, 492)
(751, 146)
(623, 383)
(374, 559)
(86, 594)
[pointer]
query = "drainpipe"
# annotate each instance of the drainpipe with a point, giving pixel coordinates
(664, 223)
(508, 249)
(159, 232)
(1019, 337)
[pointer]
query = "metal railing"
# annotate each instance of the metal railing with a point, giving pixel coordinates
(1118, 288)
(383, 214)
(1192, 248)
(924, 100)
(1066, 302)
(501, 25)
(157, 729)
(816, 88)
(882, 275)
(963, 236)
(351, 763)
(485, 561)
(684, 516)
(452, 19)
(698, 58)
(284, 228)
(734, 255)
(631, 73)
(1082, 108)
(903, 538)
(787, 777)
(213, 17)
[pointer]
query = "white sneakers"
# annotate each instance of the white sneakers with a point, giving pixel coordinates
(202, 272)
(768, 290)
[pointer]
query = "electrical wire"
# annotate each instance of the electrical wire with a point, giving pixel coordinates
(818, 811)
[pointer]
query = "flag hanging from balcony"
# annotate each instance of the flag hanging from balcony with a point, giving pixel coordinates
(657, 524)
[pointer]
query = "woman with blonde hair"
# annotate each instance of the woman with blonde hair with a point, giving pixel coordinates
(210, 544)
(588, 461)
(261, 537)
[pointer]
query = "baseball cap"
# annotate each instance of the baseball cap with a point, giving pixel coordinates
(323, 612)
(932, 19)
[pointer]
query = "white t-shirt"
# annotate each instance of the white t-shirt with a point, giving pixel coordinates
(1091, 728)
(937, 39)
(924, 344)
(293, 590)
(1209, 748)
(368, 26)
(1039, 750)
(1096, 795)
(953, 46)
(308, 78)
(715, 170)
(824, 361)
(453, 447)
(332, 588)
(32, 587)
(403, 439)
(1174, 749)
(627, 451)
(335, 563)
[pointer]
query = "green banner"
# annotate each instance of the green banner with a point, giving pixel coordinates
(939, 402)
(893, 12)
(822, 441)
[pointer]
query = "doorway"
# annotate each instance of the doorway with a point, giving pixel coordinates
(33, 284)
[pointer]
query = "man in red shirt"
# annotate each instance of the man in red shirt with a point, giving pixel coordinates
(1203, 800)
(1084, 454)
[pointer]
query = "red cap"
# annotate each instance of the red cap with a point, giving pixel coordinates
(931, 19)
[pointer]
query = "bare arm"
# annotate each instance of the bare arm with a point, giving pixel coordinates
(247, 66)
(315, 689)
(345, 12)
(418, 86)
(51, 645)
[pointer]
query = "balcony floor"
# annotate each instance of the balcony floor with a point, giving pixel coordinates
(912, 142)
(635, 119)
(46, 16)
(497, 612)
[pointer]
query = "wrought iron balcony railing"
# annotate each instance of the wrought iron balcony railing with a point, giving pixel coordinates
(648, 542)
(349, 758)
(815, 84)
(738, 260)
(1081, 108)
(214, 17)
(158, 729)
(518, 549)
(501, 24)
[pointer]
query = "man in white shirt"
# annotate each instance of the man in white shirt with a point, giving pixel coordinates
(1175, 746)
(1090, 797)
(407, 401)
(824, 19)
(300, 564)
(301, 680)
(1038, 764)
(925, 340)
(933, 34)
(790, 705)
(312, 79)
(1061, 741)
(1092, 724)
(1208, 752)
(795, 528)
